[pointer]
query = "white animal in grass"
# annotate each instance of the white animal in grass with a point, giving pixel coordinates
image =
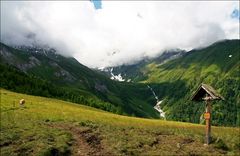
(22, 102)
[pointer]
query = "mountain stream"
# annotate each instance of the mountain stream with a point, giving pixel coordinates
(157, 106)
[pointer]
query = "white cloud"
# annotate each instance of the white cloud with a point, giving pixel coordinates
(120, 32)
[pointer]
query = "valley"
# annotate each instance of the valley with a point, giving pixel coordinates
(173, 78)
(71, 81)
(120, 78)
(175, 81)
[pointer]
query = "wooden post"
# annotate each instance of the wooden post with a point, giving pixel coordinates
(208, 122)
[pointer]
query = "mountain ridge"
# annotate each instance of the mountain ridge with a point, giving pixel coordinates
(173, 82)
(69, 74)
(133, 72)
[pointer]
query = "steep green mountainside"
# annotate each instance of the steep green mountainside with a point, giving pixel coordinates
(13, 79)
(68, 75)
(50, 127)
(175, 82)
(46, 64)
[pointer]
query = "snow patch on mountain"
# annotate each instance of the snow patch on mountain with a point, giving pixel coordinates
(102, 69)
(116, 77)
(129, 80)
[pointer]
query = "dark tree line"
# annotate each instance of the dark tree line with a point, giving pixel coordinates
(15, 80)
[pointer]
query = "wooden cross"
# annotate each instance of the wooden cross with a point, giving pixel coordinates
(207, 93)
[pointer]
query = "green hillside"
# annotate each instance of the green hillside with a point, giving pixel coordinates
(175, 81)
(71, 81)
(47, 126)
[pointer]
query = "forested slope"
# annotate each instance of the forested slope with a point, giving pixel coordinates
(216, 65)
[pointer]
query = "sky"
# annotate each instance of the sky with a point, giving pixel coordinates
(97, 4)
(112, 33)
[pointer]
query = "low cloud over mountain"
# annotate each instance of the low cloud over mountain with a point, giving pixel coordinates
(117, 32)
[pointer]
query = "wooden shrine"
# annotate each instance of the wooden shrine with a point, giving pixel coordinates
(207, 93)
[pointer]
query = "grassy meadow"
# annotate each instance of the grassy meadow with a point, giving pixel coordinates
(46, 126)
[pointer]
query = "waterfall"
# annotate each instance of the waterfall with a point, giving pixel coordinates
(157, 106)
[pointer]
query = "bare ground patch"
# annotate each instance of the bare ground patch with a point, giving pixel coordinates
(178, 145)
(85, 140)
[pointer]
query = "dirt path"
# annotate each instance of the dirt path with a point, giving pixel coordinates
(85, 141)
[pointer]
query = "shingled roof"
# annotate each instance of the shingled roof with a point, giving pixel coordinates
(204, 90)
